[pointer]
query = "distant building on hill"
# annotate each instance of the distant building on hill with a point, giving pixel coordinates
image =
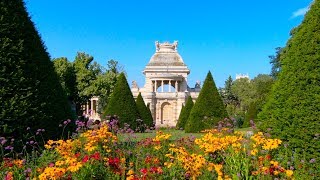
(239, 76)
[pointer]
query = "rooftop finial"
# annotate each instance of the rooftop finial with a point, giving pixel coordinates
(166, 46)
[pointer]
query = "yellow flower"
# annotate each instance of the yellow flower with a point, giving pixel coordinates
(168, 164)
(254, 152)
(131, 177)
(130, 172)
(157, 147)
(276, 172)
(289, 173)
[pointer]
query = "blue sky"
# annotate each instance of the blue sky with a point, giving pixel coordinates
(225, 37)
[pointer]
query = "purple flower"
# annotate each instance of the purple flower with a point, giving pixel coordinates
(28, 170)
(28, 128)
(31, 142)
(65, 122)
(8, 148)
(312, 160)
(3, 141)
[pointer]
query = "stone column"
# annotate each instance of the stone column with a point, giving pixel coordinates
(176, 86)
(169, 85)
(87, 107)
(155, 86)
(91, 101)
(161, 85)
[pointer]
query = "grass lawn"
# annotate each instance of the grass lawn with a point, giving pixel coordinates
(176, 134)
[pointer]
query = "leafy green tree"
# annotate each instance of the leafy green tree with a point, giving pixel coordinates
(185, 112)
(251, 114)
(262, 85)
(275, 62)
(208, 109)
(106, 82)
(85, 76)
(293, 110)
(67, 76)
(30, 92)
(244, 91)
(229, 98)
(144, 111)
(123, 104)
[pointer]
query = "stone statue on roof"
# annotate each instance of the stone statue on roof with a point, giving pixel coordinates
(198, 83)
(134, 85)
(157, 46)
(175, 45)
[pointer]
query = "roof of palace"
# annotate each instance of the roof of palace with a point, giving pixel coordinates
(166, 55)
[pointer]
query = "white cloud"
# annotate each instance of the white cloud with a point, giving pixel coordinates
(300, 12)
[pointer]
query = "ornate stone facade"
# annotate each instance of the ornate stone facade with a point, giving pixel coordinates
(166, 89)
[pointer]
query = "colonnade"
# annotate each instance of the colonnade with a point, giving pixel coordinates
(162, 82)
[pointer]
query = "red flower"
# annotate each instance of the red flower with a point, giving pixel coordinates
(148, 159)
(268, 157)
(144, 171)
(77, 155)
(85, 158)
(154, 170)
(95, 156)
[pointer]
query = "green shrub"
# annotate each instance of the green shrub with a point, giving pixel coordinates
(208, 108)
(31, 95)
(292, 112)
(185, 112)
(144, 111)
(122, 104)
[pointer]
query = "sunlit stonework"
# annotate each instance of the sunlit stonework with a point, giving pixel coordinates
(166, 89)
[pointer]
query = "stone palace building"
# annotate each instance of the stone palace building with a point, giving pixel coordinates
(166, 88)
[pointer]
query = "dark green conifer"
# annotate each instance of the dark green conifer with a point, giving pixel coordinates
(185, 112)
(30, 92)
(292, 112)
(208, 108)
(122, 103)
(144, 111)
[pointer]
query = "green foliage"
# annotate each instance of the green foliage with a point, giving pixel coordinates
(122, 103)
(293, 110)
(31, 95)
(275, 62)
(144, 111)
(244, 90)
(185, 112)
(208, 109)
(84, 78)
(251, 114)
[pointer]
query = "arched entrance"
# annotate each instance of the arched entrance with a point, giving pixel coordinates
(166, 113)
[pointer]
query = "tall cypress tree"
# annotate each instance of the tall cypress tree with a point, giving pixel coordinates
(293, 109)
(30, 92)
(185, 112)
(208, 108)
(144, 111)
(122, 103)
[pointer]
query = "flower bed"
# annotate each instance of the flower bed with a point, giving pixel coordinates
(98, 154)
